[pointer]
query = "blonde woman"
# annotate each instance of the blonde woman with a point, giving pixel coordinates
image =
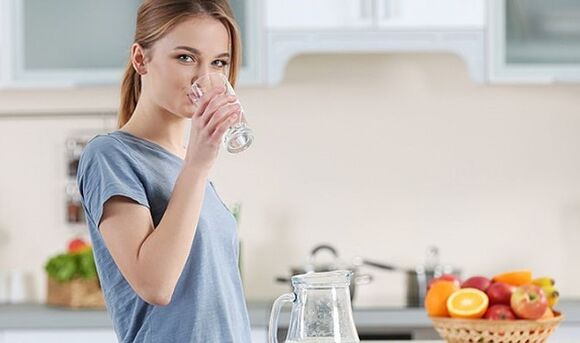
(165, 245)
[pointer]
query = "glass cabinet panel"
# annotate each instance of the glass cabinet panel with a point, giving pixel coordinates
(539, 31)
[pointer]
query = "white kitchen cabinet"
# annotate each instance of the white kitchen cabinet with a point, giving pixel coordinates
(63, 43)
(319, 14)
(373, 14)
(296, 27)
(249, 15)
(429, 14)
(534, 41)
(58, 336)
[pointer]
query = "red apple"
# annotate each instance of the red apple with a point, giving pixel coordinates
(445, 277)
(529, 302)
(499, 312)
(500, 293)
(480, 282)
(77, 245)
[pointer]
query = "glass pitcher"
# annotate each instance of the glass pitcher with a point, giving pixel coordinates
(321, 309)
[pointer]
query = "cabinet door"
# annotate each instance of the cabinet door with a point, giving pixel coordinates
(429, 14)
(534, 41)
(248, 15)
(60, 336)
(319, 14)
(62, 42)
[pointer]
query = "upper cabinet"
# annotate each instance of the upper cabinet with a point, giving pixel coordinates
(335, 26)
(318, 14)
(61, 43)
(534, 41)
(367, 14)
(65, 43)
(70, 43)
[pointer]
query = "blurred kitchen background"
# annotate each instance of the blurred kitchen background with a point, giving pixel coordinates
(383, 127)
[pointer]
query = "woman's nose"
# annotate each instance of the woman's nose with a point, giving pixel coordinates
(200, 72)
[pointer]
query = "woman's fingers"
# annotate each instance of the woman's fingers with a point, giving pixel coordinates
(204, 101)
(224, 125)
(220, 113)
(214, 104)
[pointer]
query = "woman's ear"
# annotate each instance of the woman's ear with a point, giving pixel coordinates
(138, 59)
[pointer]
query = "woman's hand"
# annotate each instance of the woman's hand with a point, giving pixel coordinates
(215, 113)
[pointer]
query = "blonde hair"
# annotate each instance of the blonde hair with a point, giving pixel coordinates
(155, 18)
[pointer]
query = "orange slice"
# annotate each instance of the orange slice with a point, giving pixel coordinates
(467, 303)
(436, 298)
(515, 278)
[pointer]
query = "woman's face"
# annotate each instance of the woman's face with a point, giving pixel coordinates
(194, 47)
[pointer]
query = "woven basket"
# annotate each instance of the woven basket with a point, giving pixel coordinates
(496, 331)
(77, 293)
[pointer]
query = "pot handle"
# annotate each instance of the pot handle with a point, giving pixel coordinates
(273, 325)
(378, 265)
(282, 279)
(319, 248)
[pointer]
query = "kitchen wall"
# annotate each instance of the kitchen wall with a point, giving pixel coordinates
(379, 155)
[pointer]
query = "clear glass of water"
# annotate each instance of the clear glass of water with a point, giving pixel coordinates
(239, 136)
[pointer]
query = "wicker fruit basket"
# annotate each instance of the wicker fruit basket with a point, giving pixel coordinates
(496, 331)
(76, 293)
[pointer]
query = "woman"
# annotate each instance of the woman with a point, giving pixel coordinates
(165, 245)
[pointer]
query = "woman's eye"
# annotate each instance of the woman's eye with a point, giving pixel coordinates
(185, 58)
(221, 63)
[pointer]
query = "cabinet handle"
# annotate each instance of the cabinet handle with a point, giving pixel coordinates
(366, 9)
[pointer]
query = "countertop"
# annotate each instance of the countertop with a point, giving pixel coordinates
(39, 316)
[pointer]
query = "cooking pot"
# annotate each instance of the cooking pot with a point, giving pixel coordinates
(416, 279)
(314, 266)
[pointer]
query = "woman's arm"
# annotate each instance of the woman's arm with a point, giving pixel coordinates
(152, 260)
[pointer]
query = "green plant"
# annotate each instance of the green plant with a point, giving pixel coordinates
(68, 266)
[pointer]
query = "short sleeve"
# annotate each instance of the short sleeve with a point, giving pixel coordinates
(107, 169)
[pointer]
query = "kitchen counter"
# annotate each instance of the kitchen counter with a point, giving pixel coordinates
(38, 316)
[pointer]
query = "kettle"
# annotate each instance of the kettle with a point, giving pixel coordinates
(321, 309)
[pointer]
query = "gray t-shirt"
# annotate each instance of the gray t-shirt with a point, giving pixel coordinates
(208, 304)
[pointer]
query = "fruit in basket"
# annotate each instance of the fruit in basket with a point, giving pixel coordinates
(548, 314)
(552, 295)
(499, 312)
(529, 302)
(544, 281)
(480, 282)
(515, 278)
(444, 277)
(547, 285)
(77, 245)
(467, 303)
(500, 293)
(436, 298)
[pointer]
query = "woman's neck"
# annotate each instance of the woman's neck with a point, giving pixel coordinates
(159, 126)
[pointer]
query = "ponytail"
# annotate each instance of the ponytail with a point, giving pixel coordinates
(130, 92)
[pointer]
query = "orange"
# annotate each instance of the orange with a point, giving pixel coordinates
(515, 278)
(548, 314)
(436, 298)
(467, 303)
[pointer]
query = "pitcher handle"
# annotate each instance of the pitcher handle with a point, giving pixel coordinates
(273, 325)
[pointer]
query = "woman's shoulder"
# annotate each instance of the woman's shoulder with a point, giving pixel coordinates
(104, 145)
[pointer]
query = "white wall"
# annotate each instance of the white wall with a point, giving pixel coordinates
(378, 155)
